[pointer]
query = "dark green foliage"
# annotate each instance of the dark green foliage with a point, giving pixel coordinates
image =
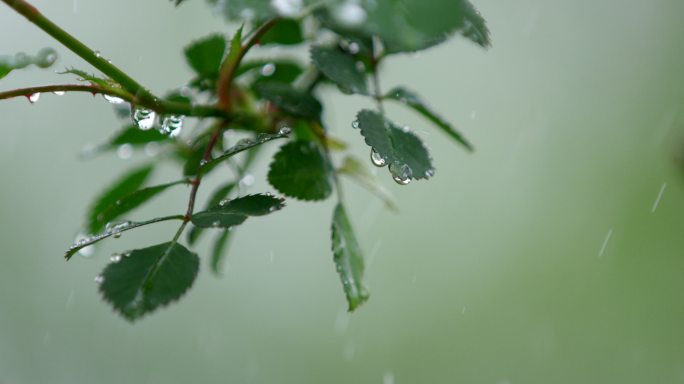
(127, 184)
(265, 98)
(300, 170)
(145, 279)
(291, 100)
(414, 101)
(342, 68)
(400, 148)
(348, 258)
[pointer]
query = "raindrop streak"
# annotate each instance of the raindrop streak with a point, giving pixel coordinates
(401, 173)
(172, 125)
(605, 242)
(33, 98)
(660, 196)
(377, 159)
(112, 99)
(268, 69)
(144, 118)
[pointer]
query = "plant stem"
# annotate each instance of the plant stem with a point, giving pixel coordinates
(232, 62)
(76, 46)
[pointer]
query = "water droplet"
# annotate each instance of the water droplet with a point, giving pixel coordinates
(246, 181)
(124, 151)
(116, 235)
(353, 48)
(98, 54)
(203, 162)
(216, 224)
(355, 124)
(144, 118)
(350, 14)
(59, 93)
(172, 125)
(223, 202)
(115, 258)
(285, 130)
(401, 173)
(81, 239)
(429, 173)
(99, 279)
(377, 159)
(287, 8)
(112, 99)
(268, 69)
(33, 98)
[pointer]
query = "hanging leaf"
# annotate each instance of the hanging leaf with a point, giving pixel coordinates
(412, 100)
(285, 32)
(300, 170)
(342, 68)
(398, 147)
(218, 252)
(146, 279)
(127, 184)
(348, 259)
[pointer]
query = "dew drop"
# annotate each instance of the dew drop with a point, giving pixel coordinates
(144, 118)
(59, 93)
(285, 130)
(401, 173)
(429, 173)
(112, 99)
(115, 258)
(33, 98)
(268, 69)
(353, 48)
(172, 125)
(216, 224)
(377, 159)
(124, 151)
(246, 181)
(350, 14)
(355, 124)
(99, 279)
(223, 202)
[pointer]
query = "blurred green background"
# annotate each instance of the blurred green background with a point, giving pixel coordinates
(538, 259)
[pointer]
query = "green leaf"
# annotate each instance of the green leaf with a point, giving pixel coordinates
(43, 59)
(130, 135)
(85, 76)
(300, 170)
(205, 55)
(132, 201)
(400, 148)
(291, 100)
(341, 68)
(285, 32)
(146, 279)
(193, 160)
(127, 184)
(412, 100)
(236, 211)
(113, 230)
(218, 251)
(244, 145)
(348, 259)
(219, 194)
(357, 171)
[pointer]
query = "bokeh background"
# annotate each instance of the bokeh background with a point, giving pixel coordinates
(546, 256)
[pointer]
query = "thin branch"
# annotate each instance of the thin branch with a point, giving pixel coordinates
(232, 62)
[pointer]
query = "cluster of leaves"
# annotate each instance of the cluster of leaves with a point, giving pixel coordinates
(267, 100)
